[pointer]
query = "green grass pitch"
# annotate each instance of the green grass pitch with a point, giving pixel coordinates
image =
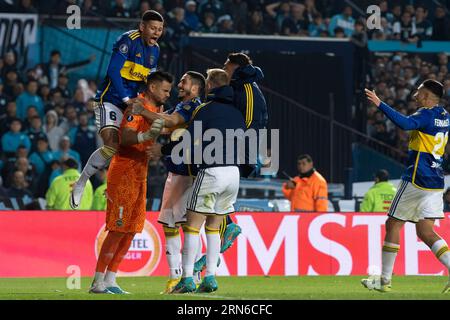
(273, 288)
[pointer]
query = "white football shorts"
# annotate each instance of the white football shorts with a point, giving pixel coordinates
(107, 115)
(413, 204)
(214, 190)
(173, 207)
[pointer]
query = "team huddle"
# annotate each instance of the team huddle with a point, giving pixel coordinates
(130, 117)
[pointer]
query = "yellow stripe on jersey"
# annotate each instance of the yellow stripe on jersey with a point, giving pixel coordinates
(134, 35)
(250, 113)
(104, 91)
(198, 109)
(134, 71)
(423, 142)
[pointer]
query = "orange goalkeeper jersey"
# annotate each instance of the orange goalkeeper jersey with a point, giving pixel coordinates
(131, 162)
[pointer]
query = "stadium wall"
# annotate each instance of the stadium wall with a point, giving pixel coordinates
(57, 244)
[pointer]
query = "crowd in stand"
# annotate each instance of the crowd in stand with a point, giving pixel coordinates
(394, 78)
(44, 121)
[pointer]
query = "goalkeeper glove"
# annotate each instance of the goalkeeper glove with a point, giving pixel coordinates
(153, 133)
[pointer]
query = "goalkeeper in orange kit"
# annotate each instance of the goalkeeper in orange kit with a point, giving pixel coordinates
(127, 184)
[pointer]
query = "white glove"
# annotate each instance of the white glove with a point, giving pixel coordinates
(153, 132)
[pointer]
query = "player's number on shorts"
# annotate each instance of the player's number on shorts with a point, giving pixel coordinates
(112, 115)
(441, 140)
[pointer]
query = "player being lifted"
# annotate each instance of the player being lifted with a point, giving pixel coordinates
(419, 196)
(127, 184)
(135, 56)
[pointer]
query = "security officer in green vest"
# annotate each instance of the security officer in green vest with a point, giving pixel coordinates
(99, 202)
(59, 192)
(380, 196)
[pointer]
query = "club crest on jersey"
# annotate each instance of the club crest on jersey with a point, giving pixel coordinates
(123, 48)
(187, 107)
(130, 118)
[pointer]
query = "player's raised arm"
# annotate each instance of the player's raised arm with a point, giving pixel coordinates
(415, 121)
(170, 120)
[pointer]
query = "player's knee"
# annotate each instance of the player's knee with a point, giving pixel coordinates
(110, 138)
(393, 225)
(425, 234)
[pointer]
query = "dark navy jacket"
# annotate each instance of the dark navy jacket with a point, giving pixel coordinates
(219, 113)
(248, 98)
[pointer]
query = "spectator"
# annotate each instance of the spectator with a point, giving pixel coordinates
(344, 21)
(83, 138)
(10, 63)
(441, 25)
(78, 101)
(62, 86)
(66, 152)
(18, 187)
(58, 194)
(8, 117)
(279, 11)
(55, 171)
(42, 158)
(225, 24)
(339, 33)
(53, 131)
(214, 6)
(86, 89)
(190, 17)
(3, 190)
(178, 27)
(99, 202)
(382, 134)
(31, 113)
(296, 24)
(209, 26)
(23, 165)
(35, 131)
(44, 93)
(70, 120)
(11, 81)
(12, 139)
(26, 6)
(317, 26)
(89, 8)
(119, 10)
(308, 191)
(4, 99)
(238, 9)
(424, 28)
(380, 196)
(256, 24)
(144, 6)
(29, 98)
(54, 67)
(405, 30)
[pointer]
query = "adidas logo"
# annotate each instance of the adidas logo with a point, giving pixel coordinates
(138, 55)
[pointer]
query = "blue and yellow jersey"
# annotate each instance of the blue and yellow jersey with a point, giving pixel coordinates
(429, 136)
(131, 62)
(186, 110)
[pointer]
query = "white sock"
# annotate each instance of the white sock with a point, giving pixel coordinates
(99, 277)
(441, 251)
(199, 253)
(212, 250)
(389, 254)
(96, 162)
(191, 236)
(173, 254)
(110, 279)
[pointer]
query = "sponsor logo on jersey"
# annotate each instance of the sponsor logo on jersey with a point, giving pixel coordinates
(144, 254)
(138, 55)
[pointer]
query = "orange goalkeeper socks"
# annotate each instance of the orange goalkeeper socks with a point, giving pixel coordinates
(109, 247)
(120, 252)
